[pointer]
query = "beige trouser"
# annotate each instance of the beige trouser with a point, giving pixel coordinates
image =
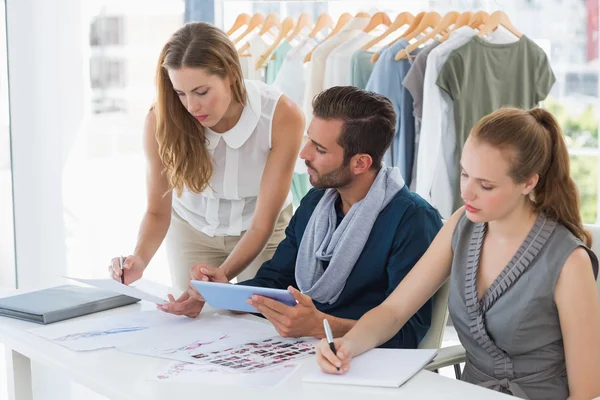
(187, 246)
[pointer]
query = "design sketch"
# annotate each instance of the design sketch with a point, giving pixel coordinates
(106, 332)
(181, 367)
(195, 345)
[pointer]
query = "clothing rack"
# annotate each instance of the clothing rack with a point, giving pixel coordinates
(381, 51)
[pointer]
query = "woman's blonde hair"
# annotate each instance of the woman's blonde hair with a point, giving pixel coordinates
(180, 137)
(536, 144)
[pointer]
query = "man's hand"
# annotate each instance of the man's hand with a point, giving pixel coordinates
(301, 320)
(202, 272)
(184, 305)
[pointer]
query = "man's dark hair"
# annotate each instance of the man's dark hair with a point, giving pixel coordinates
(369, 120)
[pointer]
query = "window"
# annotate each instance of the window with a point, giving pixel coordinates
(581, 84)
(107, 73)
(107, 31)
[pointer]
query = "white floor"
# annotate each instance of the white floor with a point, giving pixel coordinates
(450, 339)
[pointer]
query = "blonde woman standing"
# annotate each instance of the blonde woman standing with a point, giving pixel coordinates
(221, 154)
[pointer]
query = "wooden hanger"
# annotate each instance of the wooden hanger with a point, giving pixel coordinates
(362, 15)
(499, 18)
(430, 20)
(379, 18)
(240, 21)
(478, 19)
(304, 21)
(448, 20)
(402, 19)
(271, 21)
(462, 20)
(413, 25)
(286, 27)
(256, 20)
(324, 21)
(242, 49)
(343, 20)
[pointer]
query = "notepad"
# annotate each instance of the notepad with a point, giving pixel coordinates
(377, 367)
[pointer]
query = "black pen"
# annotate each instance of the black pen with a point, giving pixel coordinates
(329, 336)
(122, 270)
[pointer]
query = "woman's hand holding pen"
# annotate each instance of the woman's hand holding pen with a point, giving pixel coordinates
(133, 269)
(329, 362)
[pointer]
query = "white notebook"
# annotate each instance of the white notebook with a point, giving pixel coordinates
(377, 367)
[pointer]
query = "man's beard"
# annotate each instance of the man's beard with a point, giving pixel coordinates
(335, 179)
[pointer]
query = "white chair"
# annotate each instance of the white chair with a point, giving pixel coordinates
(439, 318)
(455, 355)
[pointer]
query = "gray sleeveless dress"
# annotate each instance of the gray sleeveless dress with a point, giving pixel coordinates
(512, 336)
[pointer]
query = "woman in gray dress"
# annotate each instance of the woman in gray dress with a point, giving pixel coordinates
(523, 296)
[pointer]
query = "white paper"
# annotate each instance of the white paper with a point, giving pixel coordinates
(183, 372)
(114, 286)
(108, 331)
(377, 367)
(205, 334)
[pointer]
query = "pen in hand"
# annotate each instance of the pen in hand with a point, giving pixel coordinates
(122, 271)
(329, 336)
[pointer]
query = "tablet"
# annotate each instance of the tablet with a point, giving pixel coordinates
(227, 296)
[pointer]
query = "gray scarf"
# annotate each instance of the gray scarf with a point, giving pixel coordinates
(342, 246)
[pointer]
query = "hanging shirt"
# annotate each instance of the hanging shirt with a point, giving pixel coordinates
(480, 77)
(291, 78)
(413, 82)
(227, 206)
(361, 67)
(276, 61)
(248, 63)
(316, 68)
(386, 79)
(338, 71)
(414, 79)
(437, 132)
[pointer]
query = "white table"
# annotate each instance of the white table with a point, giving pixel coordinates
(111, 373)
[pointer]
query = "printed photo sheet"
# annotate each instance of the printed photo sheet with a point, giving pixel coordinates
(259, 355)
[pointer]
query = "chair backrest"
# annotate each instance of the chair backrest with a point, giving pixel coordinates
(439, 317)
(595, 231)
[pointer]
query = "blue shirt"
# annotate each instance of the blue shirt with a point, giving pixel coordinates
(400, 236)
(386, 79)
